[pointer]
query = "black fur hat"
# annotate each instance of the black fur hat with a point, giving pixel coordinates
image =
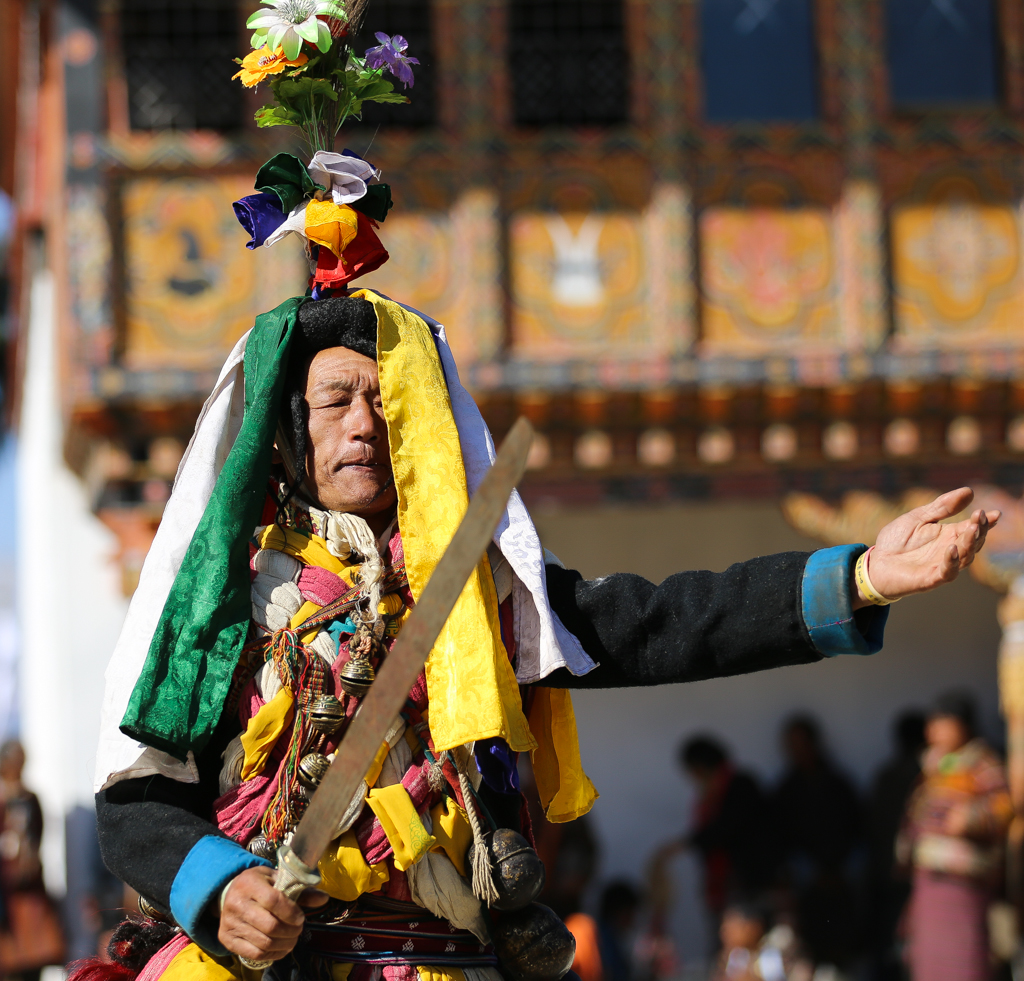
(342, 321)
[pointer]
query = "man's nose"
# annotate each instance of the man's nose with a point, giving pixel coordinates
(363, 422)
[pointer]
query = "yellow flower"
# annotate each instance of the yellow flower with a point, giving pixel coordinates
(258, 64)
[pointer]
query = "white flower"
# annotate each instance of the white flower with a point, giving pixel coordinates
(343, 175)
(293, 21)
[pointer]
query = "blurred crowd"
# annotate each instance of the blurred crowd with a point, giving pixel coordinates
(810, 880)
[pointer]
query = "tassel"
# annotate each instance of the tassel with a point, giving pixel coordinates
(483, 873)
(436, 780)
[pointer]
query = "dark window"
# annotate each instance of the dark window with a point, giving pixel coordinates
(178, 58)
(411, 19)
(568, 62)
(941, 52)
(758, 59)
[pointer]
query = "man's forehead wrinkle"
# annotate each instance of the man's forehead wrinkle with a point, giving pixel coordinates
(349, 382)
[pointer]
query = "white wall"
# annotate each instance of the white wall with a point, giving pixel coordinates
(629, 737)
(70, 606)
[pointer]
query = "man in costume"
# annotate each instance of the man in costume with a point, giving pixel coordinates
(327, 474)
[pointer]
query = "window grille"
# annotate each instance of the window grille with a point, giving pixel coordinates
(411, 19)
(941, 52)
(178, 59)
(568, 62)
(758, 60)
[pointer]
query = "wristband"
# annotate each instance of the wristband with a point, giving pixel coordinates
(860, 575)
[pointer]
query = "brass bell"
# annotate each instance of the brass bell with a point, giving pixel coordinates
(326, 714)
(518, 871)
(533, 944)
(262, 848)
(312, 768)
(357, 676)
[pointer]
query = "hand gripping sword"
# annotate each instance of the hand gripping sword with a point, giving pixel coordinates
(297, 861)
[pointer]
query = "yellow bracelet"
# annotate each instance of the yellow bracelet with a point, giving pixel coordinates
(860, 575)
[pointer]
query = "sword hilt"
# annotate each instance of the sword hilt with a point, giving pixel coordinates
(293, 878)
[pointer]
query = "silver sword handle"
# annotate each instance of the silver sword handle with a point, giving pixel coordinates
(293, 878)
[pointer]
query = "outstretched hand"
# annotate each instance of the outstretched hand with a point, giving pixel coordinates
(915, 553)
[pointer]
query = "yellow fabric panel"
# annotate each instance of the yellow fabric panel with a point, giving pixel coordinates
(340, 970)
(194, 964)
(344, 873)
(440, 973)
(378, 762)
(470, 683)
(452, 831)
(409, 839)
(309, 550)
(565, 790)
(332, 225)
(263, 731)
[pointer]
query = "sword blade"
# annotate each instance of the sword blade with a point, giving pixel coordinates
(400, 668)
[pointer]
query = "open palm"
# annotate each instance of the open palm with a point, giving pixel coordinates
(915, 552)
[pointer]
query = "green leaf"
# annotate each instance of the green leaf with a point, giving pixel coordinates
(276, 116)
(389, 98)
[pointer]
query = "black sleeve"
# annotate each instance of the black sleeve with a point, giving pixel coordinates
(695, 625)
(147, 826)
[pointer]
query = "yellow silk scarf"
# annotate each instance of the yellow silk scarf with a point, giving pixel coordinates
(471, 687)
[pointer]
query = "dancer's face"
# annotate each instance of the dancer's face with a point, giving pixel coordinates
(347, 460)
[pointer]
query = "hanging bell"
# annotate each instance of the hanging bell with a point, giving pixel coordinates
(357, 676)
(312, 768)
(326, 714)
(518, 872)
(533, 944)
(262, 848)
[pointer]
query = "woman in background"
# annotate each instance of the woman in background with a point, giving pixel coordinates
(956, 821)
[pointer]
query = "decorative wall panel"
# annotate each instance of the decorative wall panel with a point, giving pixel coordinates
(578, 282)
(769, 280)
(957, 270)
(447, 264)
(191, 287)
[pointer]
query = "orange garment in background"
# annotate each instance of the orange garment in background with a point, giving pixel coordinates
(588, 947)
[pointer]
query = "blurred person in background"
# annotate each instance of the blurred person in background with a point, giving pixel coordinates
(732, 827)
(31, 936)
(819, 820)
(888, 883)
(952, 840)
(616, 921)
(753, 950)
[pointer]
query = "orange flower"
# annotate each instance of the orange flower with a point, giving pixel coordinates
(258, 64)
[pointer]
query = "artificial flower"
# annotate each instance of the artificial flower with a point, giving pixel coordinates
(260, 215)
(331, 225)
(363, 254)
(291, 22)
(390, 54)
(343, 174)
(258, 64)
(286, 176)
(295, 222)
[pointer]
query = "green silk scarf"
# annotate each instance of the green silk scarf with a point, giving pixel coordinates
(178, 698)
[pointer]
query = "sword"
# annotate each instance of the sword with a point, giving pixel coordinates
(297, 861)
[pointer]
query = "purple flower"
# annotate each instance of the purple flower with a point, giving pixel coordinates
(390, 54)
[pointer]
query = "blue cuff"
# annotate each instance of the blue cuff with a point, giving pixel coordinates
(828, 612)
(208, 867)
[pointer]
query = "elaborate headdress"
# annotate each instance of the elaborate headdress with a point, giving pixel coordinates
(303, 50)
